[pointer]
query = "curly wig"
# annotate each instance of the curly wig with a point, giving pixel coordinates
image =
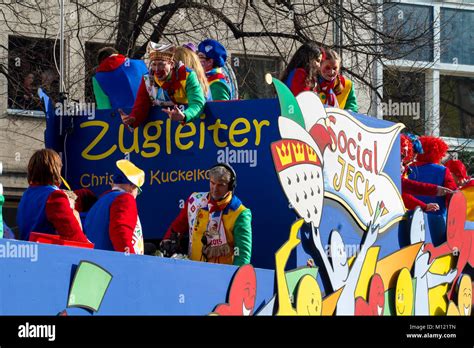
(434, 149)
(406, 149)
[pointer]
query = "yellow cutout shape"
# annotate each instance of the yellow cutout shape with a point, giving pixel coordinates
(389, 267)
(330, 302)
(404, 294)
(366, 273)
(465, 296)
(308, 294)
(437, 295)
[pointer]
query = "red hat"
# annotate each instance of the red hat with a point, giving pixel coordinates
(434, 149)
(457, 168)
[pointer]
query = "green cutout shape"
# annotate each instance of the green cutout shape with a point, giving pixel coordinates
(289, 106)
(89, 286)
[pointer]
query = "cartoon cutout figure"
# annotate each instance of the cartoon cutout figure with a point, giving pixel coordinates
(338, 269)
(425, 280)
(298, 157)
(404, 294)
(464, 298)
(242, 294)
(376, 298)
(459, 240)
(308, 294)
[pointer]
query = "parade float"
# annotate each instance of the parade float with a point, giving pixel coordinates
(330, 232)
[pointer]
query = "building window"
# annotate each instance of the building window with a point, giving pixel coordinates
(457, 106)
(30, 66)
(250, 72)
(404, 99)
(412, 28)
(457, 36)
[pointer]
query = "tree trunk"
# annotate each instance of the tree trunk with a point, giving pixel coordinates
(127, 17)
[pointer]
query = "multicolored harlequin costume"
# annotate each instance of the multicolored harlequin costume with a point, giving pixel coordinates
(181, 87)
(116, 81)
(46, 209)
(194, 218)
(345, 98)
(113, 223)
(219, 83)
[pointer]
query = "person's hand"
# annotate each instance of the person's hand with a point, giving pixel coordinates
(175, 114)
(443, 191)
(127, 120)
(432, 207)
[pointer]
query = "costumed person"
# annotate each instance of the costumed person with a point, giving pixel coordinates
(464, 183)
(191, 60)
(170, 84)
(218, 225)
(333, 88)
(44, 207)
(410, 146)
(116, 80)
(302, 71)
(428, 169)
(190, 46)
(113, 222)
(213, 56)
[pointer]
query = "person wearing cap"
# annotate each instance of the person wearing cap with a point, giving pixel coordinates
(465, 184)
(190, 46)
(169, 83)
(113, 223)
(116, 80)
(213, 56)
(44, 207)
(218, 225)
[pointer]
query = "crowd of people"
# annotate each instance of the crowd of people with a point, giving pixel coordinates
(428, 183)
(26, 96)
(181, 79)
(212, 226)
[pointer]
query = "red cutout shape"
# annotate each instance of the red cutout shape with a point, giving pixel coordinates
(242, 294)
(376, 297)
(459, 241)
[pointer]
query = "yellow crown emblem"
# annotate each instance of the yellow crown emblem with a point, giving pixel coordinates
(298, 151)
(284, 154)
(312, 156)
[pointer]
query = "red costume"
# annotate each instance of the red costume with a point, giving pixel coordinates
(412, 187)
